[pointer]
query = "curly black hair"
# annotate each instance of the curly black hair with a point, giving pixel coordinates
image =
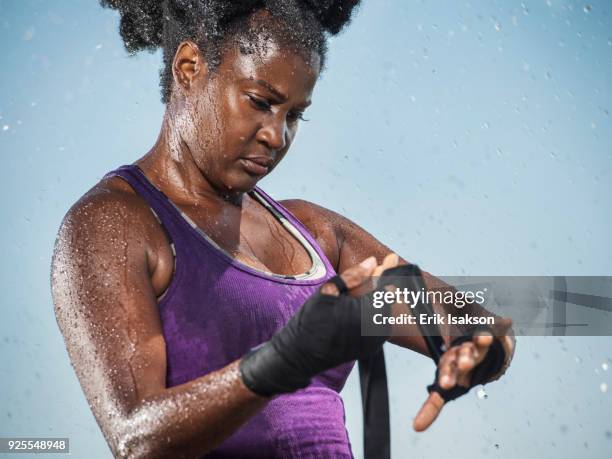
(151, 24)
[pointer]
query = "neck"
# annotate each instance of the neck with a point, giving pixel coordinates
(171, 166)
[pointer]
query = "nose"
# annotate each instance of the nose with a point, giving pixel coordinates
(274, 133)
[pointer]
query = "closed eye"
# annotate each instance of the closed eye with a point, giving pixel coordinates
(294, 116)
(260, 104)
(265, 106)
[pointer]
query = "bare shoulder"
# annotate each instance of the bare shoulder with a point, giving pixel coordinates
(108, 223)
(351, 243)
(319, 219)
(111, 200)
(321, 223)
(309, 212)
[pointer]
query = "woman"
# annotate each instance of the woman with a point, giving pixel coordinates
(172, 269)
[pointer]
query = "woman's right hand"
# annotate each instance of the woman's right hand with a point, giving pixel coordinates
(324, 333)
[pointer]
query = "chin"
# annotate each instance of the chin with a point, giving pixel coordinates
(242, 184)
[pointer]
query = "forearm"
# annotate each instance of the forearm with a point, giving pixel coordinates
(455, 311)
(409, 334)
(188, 420)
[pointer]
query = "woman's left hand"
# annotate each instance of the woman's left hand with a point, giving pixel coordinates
(456, 366)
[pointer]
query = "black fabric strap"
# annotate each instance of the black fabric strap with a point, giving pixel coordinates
(373, 376)
(490, 366)
(339, 283)
(375, 401)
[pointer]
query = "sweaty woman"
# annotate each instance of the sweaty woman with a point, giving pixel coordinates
(202, 317)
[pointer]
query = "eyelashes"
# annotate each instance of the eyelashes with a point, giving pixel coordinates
(265, 106)
(260, 104)
(294, 116)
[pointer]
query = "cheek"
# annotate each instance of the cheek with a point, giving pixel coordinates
(198, 129)
(291, 133)
(239, 124)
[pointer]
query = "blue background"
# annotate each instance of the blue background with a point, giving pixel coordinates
(471, 137)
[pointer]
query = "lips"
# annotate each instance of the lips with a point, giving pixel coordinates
(257, 165)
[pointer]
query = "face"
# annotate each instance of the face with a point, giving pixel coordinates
(240, 120)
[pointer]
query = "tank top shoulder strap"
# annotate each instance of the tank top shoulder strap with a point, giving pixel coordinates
(282, 210)
(163, 210)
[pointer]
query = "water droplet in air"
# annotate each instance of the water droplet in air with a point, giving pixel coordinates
(481, 393)
(603, 387)
(525, 9)
(29, 33)
(5, 127)
(604, 366)
(587, 8)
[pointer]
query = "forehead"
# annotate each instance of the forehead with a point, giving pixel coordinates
(289, 71)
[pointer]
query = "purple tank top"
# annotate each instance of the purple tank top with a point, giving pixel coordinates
(216, 309)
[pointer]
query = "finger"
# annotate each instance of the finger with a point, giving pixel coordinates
(467, 357)
(352, 277)
(508, 345)
(503, 326)
(482, 341)
(368, 285)
(357, 275)
(428, 412)
(391, 260)
(447, 369)
(378, 271)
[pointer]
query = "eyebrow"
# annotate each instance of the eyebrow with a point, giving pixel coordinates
(275, 91)
(272, 89)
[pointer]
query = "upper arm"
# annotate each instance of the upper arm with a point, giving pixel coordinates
(343, 241)
(105, 304)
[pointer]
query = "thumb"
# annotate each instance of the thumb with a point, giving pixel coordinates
(353, 277)
(428, 412)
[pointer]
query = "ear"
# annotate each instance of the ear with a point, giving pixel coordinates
(188, 65)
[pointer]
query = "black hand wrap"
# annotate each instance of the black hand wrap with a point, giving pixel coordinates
(324, 333)
(483, 372)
